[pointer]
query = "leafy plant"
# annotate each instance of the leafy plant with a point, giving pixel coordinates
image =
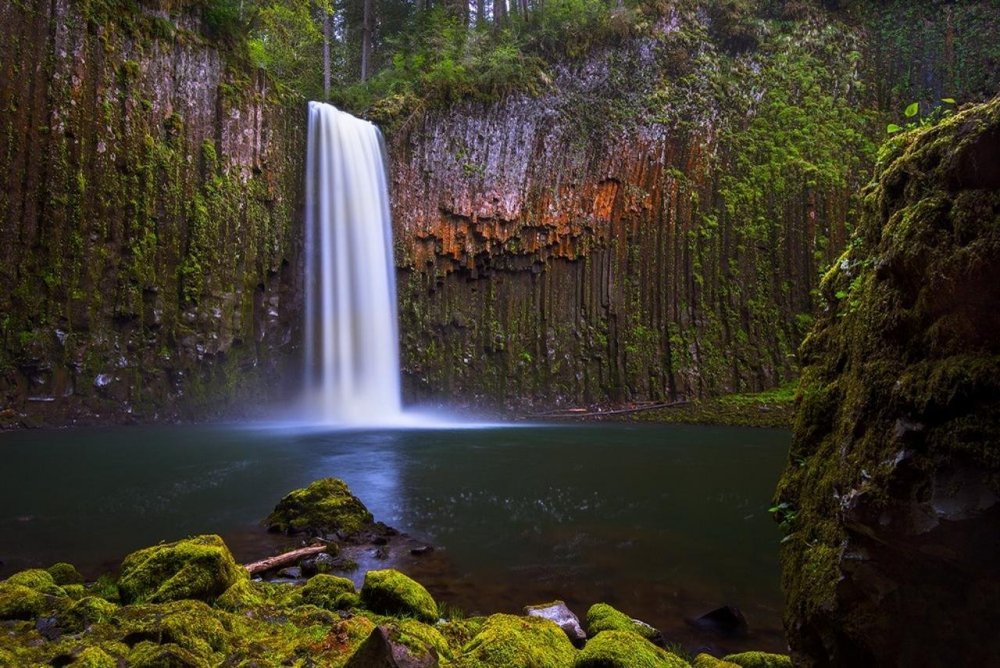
(912, 111)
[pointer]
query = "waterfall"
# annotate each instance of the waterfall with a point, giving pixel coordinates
(351, 343)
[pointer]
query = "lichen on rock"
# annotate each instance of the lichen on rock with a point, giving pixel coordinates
(195, 568)
(326, 506)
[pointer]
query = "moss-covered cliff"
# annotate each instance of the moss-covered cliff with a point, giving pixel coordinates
(892, 495)
(148, 214)
(654, 223)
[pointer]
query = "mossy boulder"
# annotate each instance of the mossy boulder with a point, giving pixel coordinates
(20, 602)
(65, 574)
(94, 657)
(196, 568)
(507, 640)
(241, 595)
(330, 592)
(759, 660)
(147, 654)
(324, 507)
(603, 617)
(891, 498)
(37, 579)
(625, 649)
(392, 593)
(87, 611)
(191, 625)
(708, 661)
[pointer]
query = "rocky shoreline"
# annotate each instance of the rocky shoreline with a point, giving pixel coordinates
(189, 603)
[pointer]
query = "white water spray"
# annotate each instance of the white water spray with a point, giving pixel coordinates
(351, 342)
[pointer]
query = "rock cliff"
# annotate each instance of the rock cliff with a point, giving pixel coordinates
(148, 215)
(892, 496)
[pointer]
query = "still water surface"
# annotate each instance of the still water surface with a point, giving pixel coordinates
(665, 522)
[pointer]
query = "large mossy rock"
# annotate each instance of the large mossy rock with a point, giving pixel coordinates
(603, 617)
(625, 649)
(392, 593)
(199, 568)
(891, 498)
(507, 640)
(324, 507)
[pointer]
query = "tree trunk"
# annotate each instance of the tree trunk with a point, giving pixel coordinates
(499, 12)
(277, 561)
(366, 40)
(480, 12)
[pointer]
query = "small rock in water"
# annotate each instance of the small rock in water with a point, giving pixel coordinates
(727, 620)
(422, 550)
(558, 612)
(380, 540)
(292, 572)
(321, 563)
(380, 650)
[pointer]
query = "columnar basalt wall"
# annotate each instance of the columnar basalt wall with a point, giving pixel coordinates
(149, 215)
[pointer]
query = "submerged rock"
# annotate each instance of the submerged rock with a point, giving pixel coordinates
(563, 617)
(727, 621)
(891, 500)
(324, 507)
(196, 568)
(392, 593)
(625, 649)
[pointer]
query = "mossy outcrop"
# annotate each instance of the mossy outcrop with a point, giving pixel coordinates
(708, 661)
(64, 574)
(326, 506)
(20, 602)
(759, 660)
(392, 593)
(330, 592)
(891, 499)
(196, 568)
(603, 617)
(506, 640)
(625, 649)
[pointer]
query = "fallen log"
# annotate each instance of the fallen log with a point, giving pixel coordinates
(285, 559)
(573, 413)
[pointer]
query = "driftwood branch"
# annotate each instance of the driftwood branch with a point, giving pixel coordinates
(584, 413)
(280, 560)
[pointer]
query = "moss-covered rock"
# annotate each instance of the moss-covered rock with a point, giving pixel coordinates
(94, 657)
(151, 655)
(759, 660)
(197, 568)
(241, 595)
(603, 617)
(392, 593)
(37, 579)
(330, 592)
(708, 661)
(325, 506)
(417, 634)
(191, 625)
(625, 649)
(87, 611)
(507, 640)
(894, 462)
(65, 574)
(20, 602)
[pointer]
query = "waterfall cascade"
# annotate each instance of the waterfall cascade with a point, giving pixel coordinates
(351, 343)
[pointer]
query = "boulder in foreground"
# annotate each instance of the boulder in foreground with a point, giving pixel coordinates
(200, 568)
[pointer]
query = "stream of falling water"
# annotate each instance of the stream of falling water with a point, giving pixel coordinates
(351, 343)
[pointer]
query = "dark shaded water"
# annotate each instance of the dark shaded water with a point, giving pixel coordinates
(665, 522)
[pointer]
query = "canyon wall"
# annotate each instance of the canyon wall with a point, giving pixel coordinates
(149, 216)
(653, 224)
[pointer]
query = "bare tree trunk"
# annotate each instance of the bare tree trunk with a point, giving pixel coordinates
(283, 559)
(366, 40)
(499, 12)
(480, 12)
(326, 54)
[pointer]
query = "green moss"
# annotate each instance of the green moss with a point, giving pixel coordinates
(624, 649)
(325, 506)
(87, 611)
(603, 617)
(20, 602)
(390, 592)
(150, 655)
(76, 591)
(708, 661)
(759, 660)
(506, 640)
(191, 625)
(329, 592)
(241, 595)
(199, 568)
(94, 657)
(420, 636)
(65, 574)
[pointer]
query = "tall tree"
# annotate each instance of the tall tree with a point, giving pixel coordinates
(367, 30)
(327, 21)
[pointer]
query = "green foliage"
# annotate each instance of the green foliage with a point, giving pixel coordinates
(935, 116)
